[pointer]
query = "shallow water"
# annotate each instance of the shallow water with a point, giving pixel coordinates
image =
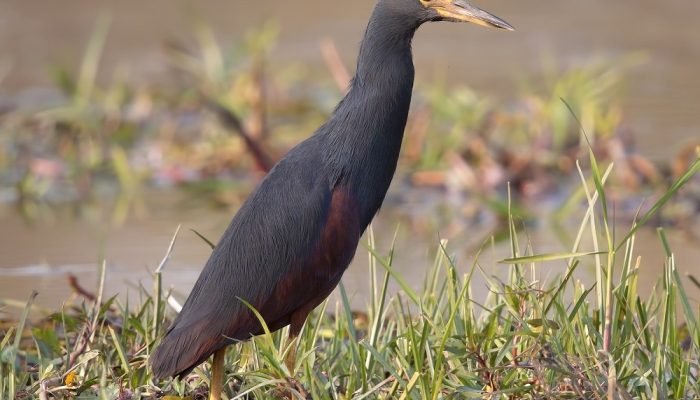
(40, 257)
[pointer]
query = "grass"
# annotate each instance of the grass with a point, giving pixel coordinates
(528, 338)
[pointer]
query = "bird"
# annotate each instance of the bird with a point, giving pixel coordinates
(286, 248)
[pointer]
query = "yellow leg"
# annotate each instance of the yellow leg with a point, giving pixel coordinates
(217, 375)
(291, 358)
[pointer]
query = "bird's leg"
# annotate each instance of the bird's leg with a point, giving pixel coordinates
(291, 357)
(216, 384)
(297, 322)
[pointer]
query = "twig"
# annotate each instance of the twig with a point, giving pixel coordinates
(80, 347)
(44, 387)
(166, 257)
(73, 283)
(231, 121)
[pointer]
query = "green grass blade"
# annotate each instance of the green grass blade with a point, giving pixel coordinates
(16, 345)
(668, 195)
(538, 258)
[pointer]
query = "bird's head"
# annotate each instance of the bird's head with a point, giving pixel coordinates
(448, 10)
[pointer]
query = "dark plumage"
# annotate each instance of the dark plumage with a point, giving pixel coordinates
(289, 244)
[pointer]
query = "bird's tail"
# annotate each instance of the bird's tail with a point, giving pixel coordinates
(181, 350)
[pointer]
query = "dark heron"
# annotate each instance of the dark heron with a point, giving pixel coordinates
(289, 244)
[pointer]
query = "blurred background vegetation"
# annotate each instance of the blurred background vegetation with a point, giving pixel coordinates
(172, 112)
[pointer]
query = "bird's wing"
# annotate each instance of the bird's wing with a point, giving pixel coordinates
(266, 257)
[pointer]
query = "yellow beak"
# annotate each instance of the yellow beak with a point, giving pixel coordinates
(461, 11)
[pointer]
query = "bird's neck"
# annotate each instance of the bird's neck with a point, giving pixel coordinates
(387, 41)
(366, 130)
